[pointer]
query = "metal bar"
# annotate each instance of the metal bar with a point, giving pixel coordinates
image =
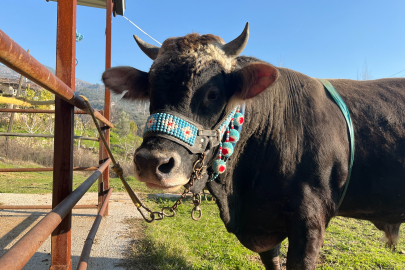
(35, 111)
(46, 135)
(16, 58)
(100, 179)
(107, 100)
(82, 206)
(44, 169)
(64, 132)
(18, 255)
(84, 257)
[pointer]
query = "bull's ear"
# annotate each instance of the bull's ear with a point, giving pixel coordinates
(253, 79)
(120, 79)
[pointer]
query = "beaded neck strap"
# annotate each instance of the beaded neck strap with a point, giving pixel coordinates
(226, 148)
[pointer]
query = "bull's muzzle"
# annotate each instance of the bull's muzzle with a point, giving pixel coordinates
(159, 170)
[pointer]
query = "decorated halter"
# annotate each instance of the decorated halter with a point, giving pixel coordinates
(175, 127)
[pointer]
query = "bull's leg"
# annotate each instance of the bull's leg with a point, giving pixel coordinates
(271, 259)
(305, 237)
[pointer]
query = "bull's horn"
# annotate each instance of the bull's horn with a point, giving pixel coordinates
(148, 49)
(236, 46)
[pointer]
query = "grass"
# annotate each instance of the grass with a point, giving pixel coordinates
(41, 182)
(181, 243)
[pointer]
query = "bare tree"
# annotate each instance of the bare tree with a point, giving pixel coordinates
(365, 74)
(82, 123)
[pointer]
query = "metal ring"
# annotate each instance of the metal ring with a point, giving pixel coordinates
(160, 215)
(170, 209)
(193, 211)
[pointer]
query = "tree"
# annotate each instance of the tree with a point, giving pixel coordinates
(123, 126)
(133, 127)
(37, 122)
(83, 122)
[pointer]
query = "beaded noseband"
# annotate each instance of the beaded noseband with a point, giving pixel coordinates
(176, 127)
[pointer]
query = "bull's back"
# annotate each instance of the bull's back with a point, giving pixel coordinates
(377, 109)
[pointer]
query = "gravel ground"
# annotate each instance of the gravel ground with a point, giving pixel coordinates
(110, 245)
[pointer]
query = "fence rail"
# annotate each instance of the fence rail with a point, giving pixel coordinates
(35, 111)
(45, 169)
(58, 221)
(17, 256)
(16, 58)
(46, 136)
(84, 257)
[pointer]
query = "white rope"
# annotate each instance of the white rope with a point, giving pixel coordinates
(142, 30)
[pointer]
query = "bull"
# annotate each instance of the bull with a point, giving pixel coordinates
(291, 164)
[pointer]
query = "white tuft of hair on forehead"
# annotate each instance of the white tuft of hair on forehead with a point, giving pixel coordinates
(203, 55)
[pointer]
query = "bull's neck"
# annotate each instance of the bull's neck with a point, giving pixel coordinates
(273, 128)
(275, 118)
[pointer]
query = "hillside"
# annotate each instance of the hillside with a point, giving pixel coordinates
(94, 92)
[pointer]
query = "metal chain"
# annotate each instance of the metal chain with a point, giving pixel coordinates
(198, 172)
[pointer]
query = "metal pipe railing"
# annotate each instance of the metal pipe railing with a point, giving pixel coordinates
(49, 169)
(18, 255)
(35, 111)
(84, 257)
(16, 58)
(14, 207)
(32, 135)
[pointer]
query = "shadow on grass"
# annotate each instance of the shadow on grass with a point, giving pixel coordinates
(144, 254)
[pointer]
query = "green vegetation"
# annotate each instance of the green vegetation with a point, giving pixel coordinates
(181, 243)
(41, 182)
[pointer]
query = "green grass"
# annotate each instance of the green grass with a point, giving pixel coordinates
(41, 182)
(181, 243)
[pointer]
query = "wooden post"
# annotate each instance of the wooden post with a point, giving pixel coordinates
(64, 126)
(10, 123)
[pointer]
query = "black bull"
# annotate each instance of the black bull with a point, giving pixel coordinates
(289, 169)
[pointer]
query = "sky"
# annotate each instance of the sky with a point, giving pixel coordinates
(322, 39)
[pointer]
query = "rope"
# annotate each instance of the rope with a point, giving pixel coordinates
(142, 30)
(117, 167)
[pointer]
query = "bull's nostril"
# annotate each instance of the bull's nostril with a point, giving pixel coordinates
(167, 167)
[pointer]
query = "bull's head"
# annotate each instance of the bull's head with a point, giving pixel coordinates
(196, 77)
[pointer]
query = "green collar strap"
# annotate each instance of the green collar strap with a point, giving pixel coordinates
(339, 101)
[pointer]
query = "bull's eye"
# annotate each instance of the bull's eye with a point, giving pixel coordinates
(212, 95)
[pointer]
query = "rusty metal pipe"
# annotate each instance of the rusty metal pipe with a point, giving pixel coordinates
(84, 257)
(34, 111)
(16, 58)
(17, 256)
(50, 169)
(82, 206)
(46, 136)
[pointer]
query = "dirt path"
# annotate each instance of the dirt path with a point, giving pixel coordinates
(111, 244)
